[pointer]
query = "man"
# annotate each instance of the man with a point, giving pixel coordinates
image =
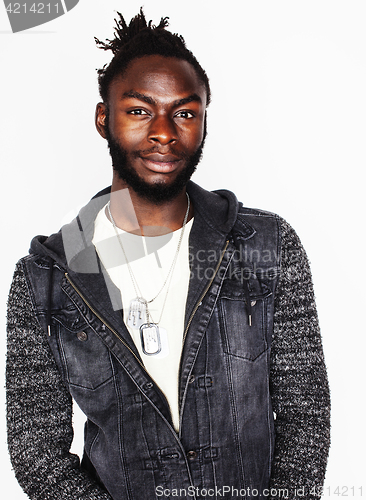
(182, 323)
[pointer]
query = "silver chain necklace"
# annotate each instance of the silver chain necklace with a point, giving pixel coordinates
(139, 316)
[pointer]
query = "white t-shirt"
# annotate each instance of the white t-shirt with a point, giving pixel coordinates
(150, 260)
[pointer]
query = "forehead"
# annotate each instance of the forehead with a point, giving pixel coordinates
(164, 78)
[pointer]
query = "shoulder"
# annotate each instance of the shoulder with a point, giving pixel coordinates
(256, 212)
(287, 234)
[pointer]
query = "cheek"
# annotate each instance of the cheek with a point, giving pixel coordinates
(198, 131)
(193, 137)
(126, 133)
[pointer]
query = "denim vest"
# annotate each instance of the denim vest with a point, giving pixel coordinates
(225, 444)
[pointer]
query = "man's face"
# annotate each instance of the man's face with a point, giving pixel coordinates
(155, 125)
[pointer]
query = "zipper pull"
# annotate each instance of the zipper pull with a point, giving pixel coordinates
(252, 304)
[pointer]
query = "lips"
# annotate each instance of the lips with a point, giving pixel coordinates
(162, 163)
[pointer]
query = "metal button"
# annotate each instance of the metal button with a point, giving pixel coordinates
(192, 455)
(253, 303)
(149, 385)
(82, 336)
(192, 378)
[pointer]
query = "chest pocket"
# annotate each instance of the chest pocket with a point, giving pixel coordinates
(238, 337)
(86, 359)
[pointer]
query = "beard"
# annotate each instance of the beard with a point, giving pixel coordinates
(157, 192)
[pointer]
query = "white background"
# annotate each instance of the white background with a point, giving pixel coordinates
(286, 132)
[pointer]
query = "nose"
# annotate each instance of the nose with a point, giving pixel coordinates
(163, 130)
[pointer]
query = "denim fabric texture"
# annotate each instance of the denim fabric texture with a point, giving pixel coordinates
(226, 434)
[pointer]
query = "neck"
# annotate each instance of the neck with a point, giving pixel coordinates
(136, 215)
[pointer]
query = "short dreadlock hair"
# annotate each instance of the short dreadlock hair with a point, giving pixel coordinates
(139, 39)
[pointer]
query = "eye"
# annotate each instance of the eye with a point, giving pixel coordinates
(137, 112)
(185, 114)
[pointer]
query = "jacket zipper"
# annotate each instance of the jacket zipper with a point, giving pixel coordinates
(190, 321)
(124, 343)
(204, 292)
(102, 320)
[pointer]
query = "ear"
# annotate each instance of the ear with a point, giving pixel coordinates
(100, 118)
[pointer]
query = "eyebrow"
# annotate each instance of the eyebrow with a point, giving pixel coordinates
(137, 95)
(186, 100)
(149, 100)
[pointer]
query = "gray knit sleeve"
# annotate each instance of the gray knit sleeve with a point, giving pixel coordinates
(39, 410)
(299, 384)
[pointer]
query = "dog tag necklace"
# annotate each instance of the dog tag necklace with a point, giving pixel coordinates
(139, 316)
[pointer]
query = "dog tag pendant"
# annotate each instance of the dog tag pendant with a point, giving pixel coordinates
(137, 313)
(150, 339)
